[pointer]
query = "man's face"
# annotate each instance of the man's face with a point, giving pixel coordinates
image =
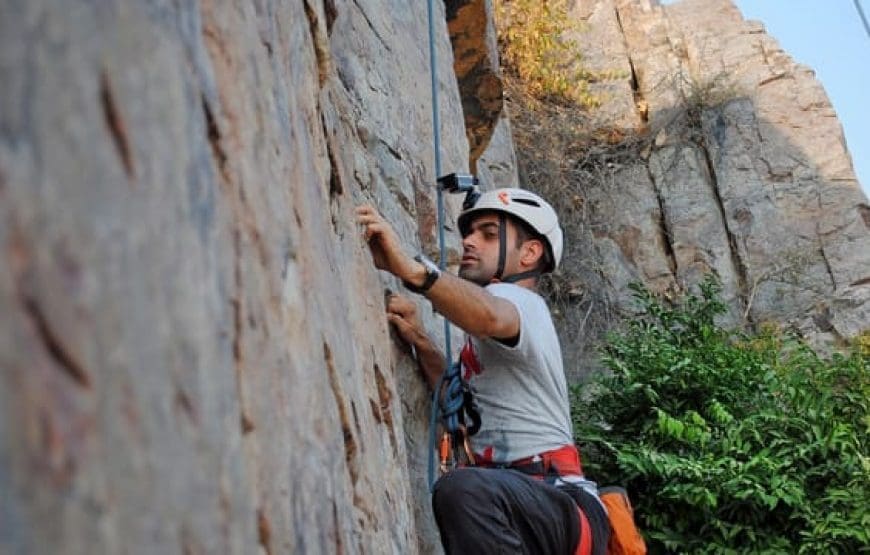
(480, 248)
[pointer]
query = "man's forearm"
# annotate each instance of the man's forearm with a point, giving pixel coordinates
(466, 304)
(431, 359)
(472, 308)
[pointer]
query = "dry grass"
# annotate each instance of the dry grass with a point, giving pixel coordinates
(533, 37)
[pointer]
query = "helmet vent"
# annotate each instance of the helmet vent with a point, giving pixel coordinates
(528, 201)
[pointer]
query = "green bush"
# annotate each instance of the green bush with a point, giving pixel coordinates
(729, 443)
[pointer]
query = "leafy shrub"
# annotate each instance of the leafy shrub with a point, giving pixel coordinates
(730, 443)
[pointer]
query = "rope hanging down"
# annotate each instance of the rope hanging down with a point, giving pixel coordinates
(863, 17)
(454, 394)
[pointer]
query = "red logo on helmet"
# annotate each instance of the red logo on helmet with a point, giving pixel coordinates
(504, 197)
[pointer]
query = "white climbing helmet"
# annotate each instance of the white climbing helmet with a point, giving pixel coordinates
(526, 206)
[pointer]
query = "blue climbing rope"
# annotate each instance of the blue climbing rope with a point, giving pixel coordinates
(450, 404)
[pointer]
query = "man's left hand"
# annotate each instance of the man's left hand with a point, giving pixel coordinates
(402, 313)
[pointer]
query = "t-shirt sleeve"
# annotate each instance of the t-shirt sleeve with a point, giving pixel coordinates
(522, 300)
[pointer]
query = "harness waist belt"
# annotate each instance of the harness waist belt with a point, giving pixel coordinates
(564, 461)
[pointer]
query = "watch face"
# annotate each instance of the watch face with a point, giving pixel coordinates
(430, 266)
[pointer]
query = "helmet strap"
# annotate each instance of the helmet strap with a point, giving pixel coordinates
(502, 246)
(502, 257)
(522, 275)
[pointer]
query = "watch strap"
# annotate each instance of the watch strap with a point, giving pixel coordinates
(432, 275)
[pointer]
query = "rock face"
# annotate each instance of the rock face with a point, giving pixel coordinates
(472, 34)
(193, 352)
(742, 170)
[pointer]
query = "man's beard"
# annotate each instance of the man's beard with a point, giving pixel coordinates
(473, 276)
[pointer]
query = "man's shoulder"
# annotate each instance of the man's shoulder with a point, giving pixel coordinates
(526, 300)
(512, 290)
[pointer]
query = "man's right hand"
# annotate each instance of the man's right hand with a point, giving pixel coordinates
(402, 313)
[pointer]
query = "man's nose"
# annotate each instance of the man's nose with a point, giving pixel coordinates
(468, 241)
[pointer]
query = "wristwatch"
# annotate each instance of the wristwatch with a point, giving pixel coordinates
(432, 274)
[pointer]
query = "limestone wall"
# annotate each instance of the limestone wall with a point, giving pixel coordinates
(743, 171)
(193, 353)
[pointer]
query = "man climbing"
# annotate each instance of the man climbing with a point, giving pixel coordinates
(526, 493)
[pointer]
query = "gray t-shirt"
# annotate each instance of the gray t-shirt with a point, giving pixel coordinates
(520, 390)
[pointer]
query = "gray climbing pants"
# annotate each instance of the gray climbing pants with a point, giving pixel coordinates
(490, 511)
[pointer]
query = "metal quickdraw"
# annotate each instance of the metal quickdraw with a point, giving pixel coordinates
(454, 400)
(456, 403)
(449, 454)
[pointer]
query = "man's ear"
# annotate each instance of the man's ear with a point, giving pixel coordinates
(531, 253)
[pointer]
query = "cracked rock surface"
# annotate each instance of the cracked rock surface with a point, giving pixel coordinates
(193, 351)
(746, 173)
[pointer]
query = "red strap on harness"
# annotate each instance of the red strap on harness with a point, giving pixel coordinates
(584, 546)
(565, 459)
